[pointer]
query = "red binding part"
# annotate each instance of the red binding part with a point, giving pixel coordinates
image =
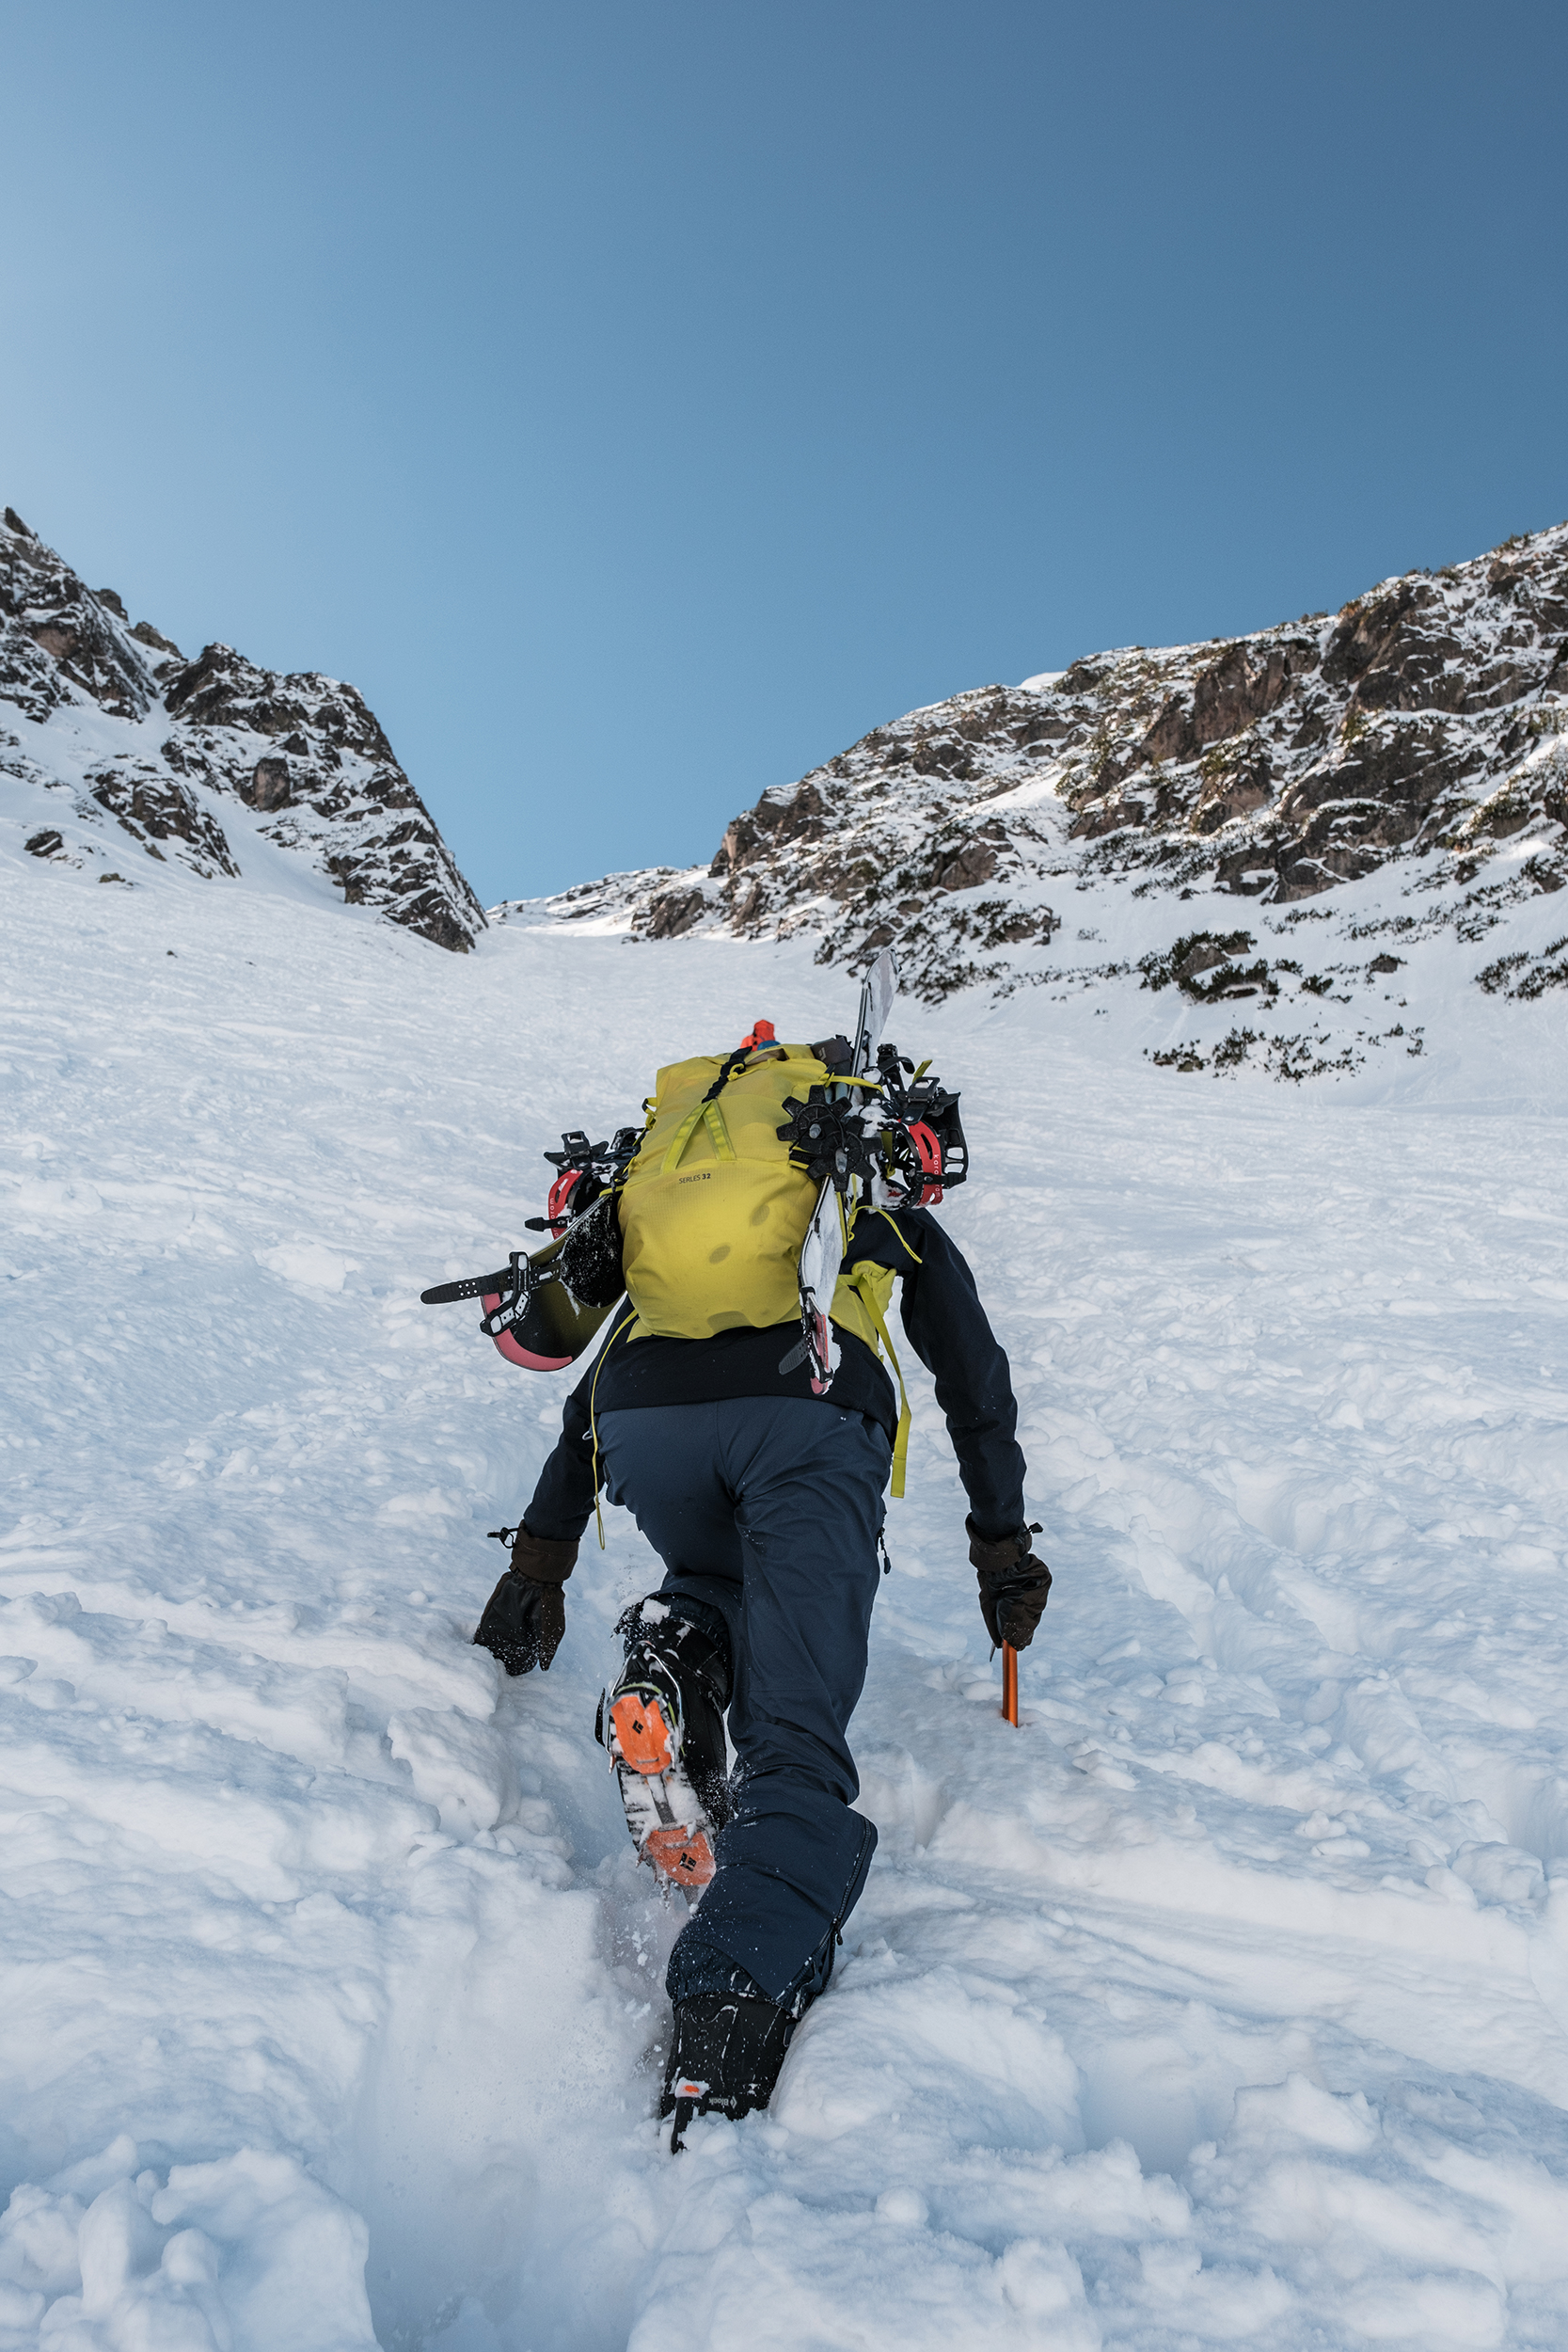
(561, 1192)
(928, 1152)
(510, 1349)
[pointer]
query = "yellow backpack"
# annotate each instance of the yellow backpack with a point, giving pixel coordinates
(714, 1212)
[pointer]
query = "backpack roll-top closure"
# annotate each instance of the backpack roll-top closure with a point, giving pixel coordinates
(714, 1212)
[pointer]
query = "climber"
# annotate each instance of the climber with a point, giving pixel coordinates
(761, 1489)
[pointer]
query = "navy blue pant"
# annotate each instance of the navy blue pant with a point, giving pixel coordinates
(766, 1512)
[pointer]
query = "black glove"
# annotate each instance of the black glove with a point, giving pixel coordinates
(525, 1617)
(1014, 1585)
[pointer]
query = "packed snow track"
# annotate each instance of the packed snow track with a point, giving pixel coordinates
(1225, 2001)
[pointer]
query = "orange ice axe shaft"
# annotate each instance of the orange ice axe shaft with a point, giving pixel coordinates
(1009, 1683)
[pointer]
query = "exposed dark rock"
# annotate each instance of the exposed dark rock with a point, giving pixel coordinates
(799, 816)
(1243, 685)
(1231, 793)
(965, 868)
(44, 844)
(302, 752)
(1107, 815)
(155, 808)
(674, 912)
(145, 634)
(269, 785)
(1275, 767)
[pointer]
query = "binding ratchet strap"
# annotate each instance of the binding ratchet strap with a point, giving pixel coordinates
(901, 1441)
(593, 1423)
(708, 1114)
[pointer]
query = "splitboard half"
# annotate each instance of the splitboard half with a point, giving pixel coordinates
(535, 1320)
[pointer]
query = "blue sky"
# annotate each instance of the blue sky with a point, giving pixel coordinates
(639, 401)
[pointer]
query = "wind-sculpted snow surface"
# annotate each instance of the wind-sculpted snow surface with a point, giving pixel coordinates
(1421, 731)
(1225, 2002)
(115, 749)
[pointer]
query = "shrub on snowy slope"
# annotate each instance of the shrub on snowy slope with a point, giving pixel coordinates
(302, 752)
(1428, 719)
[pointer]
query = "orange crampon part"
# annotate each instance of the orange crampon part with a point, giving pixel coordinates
(682, 1855)
(644, 1739)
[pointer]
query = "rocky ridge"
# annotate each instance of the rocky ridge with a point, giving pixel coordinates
(1423, 728)
(138, 745)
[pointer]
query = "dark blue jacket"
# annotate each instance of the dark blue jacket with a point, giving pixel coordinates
(944, 1322)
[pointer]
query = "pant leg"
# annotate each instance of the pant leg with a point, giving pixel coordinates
(790, 1493)
(662, 1464)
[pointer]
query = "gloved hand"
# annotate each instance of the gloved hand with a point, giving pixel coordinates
(1014, 1585)
(525, 1617)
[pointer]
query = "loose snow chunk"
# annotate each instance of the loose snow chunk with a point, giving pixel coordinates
(1234, 2306)
(1434, 2310)
(462, 1768)
(246, 2254)
(1297, 2108)
(1501, 1873)
(782, 2274)
(1045, 2282)
(1362, 2223)
(870, 2053)
(308, 1262)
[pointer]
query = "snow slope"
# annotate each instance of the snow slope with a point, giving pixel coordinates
(1226, 2001)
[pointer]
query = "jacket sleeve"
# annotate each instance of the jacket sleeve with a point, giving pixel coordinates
(948, 1330)
(562, 1500)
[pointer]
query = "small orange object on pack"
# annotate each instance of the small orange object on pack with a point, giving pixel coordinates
(762, 1034)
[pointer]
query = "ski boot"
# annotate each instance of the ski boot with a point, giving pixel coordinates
(662, 1726)
(725, 2052)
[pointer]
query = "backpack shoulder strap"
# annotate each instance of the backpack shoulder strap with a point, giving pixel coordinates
(861, 1279)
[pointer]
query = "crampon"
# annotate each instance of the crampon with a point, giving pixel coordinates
(670, 1828)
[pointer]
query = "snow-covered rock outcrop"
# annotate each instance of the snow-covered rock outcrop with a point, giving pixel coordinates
(125, 741)
(1423, 728)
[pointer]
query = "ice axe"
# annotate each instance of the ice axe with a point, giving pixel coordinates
(1024, 1580)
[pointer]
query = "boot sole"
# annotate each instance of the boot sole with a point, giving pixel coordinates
(668, 1825)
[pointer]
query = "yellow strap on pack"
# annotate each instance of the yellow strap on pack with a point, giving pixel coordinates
(717, 1133)
(708, 1114)
(705, 1114)
(901, 1441)
(900, 1232)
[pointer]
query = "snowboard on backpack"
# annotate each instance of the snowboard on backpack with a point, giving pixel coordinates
(543, 1308)
(533, 1317)
(827, 1236)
